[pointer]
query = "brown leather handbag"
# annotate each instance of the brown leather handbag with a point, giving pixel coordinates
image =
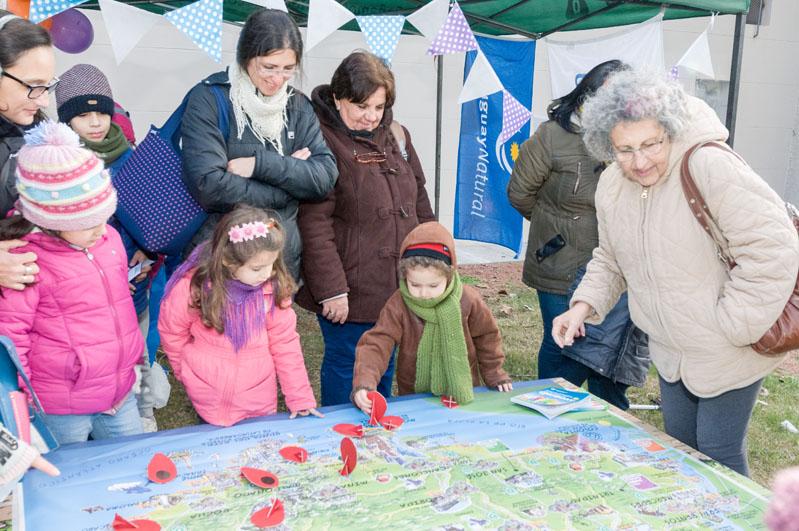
(784, 334)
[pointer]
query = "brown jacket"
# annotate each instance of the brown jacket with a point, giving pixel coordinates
(351, 239)
(397, 325)
(700, 318)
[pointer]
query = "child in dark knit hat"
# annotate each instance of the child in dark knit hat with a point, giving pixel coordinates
(85, 102)
(74, 327)
(447, 339)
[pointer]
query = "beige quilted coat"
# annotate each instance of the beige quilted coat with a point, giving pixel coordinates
(700, 318)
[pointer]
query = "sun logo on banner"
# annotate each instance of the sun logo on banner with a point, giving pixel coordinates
(514, 151)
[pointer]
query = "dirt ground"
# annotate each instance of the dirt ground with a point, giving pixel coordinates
(497, 276)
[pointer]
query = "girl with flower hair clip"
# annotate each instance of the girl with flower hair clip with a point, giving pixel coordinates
(227, 325)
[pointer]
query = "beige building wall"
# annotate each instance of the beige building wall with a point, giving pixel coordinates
(157, 74)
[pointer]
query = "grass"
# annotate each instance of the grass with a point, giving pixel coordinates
(771, 446)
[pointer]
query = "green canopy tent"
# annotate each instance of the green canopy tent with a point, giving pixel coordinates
(529, 18)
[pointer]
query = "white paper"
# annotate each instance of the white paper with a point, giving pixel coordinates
(126, 25)
(324, 17)
(429, 18)
(482, 80)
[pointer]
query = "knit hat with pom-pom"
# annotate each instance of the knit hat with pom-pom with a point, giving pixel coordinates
(783, 511)
(62, 186)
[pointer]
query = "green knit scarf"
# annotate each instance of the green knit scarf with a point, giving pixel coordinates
(442, 361)
(111, 147)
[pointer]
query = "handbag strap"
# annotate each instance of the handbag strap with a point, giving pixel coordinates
(695, 200)
(13, 357)
(170, 131)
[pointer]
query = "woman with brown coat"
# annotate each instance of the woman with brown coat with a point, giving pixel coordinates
(351, 239)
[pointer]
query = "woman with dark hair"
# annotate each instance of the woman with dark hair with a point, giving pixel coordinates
(274, 156)
(27, 74)
(553, 185)
(352, 238)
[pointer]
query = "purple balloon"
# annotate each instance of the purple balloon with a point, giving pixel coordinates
(72, 31)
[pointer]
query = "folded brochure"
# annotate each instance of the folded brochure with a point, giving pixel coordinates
(553, 401)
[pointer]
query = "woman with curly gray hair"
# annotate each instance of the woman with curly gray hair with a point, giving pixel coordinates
(701, 316)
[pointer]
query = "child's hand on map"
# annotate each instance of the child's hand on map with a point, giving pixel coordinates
(362, 401)
(305, 412)
(505, 387)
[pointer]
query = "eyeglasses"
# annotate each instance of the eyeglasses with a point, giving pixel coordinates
(369, 158)
(34, 91)
(650, 149)
(271, 71)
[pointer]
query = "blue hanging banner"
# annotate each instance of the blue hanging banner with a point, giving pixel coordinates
(482, 210)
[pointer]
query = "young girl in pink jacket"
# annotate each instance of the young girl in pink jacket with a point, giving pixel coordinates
(227, 325)
(74, 326)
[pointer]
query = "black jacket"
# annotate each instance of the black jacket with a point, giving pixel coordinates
(278, 183)
(11, 139)
(616, 348)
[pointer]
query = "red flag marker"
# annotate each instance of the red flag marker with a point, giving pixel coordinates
(349, 430)
(449, 402)
(349, 455)
(269, 516)
(294, 453)
(161, 469)
(391, 423)
(120, 524)
(260, 478)
(379, 407)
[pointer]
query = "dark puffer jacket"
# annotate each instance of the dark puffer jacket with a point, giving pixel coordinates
(553, 185)
(278, 183)
(11, 139)
(352, 238)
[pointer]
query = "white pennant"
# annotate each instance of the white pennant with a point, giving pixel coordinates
(324, 17)
(270, 4)
(697, 57)
(481, 81)
(126, 25)
(429, 18)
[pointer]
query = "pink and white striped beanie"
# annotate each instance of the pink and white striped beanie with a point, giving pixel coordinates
(62, 186)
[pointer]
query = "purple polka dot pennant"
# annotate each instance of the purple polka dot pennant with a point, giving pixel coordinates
(514, 116)
(454, 36)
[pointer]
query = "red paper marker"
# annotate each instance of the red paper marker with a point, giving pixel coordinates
(260, 478)
(449, 402)
(349, 455)
(391, 423)
(120, 524)
(161, 469)
(379, 407)
(294, 453)
(269, 516)
(349, 430)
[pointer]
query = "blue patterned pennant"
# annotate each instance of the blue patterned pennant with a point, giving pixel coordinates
(382, 34)
(44, 9)
(202, 22)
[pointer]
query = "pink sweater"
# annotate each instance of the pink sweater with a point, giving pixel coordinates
(226, 386)
(75, 328)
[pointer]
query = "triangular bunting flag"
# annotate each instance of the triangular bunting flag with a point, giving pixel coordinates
(126, 25)
(697, 57)
(514, 116)
(382, 34)
(44, 9)
(324, 17)
(481, 81)
(202, 22)
(270, 4)
(428, 19)
(454, 36)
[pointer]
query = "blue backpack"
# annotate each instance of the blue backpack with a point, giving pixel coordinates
(155, 207)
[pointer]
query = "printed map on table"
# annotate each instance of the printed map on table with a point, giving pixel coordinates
(488, 465)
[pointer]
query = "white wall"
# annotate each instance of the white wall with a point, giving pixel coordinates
(156, 75)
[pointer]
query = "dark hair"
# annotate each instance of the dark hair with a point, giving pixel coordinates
(423, 262)
(208, 292)
(267, 31)
(561, 109)
(19, 36)
(359, 75)
(15, 227)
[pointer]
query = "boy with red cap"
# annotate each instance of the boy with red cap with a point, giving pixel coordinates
(447, 338)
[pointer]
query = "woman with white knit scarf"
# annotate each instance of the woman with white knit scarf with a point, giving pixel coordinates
(272, 155)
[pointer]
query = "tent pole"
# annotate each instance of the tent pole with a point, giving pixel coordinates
(735, 75)
(439, 106)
